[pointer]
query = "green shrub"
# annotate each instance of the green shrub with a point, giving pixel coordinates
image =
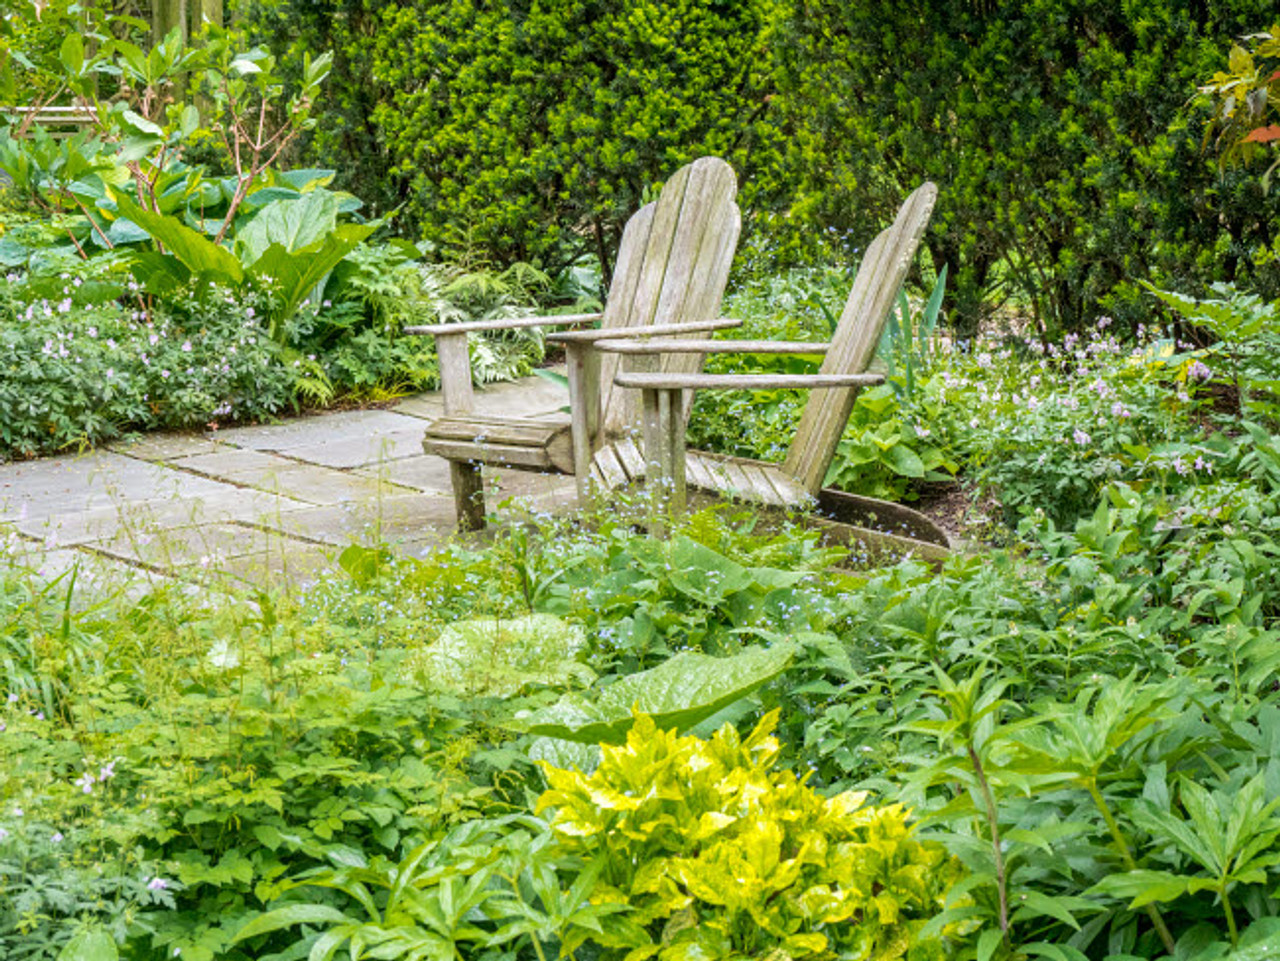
(1055, 132)
(530, 131)
(76, 373)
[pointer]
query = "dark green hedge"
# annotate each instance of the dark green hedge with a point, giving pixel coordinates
(1060, 132)
(528, 130)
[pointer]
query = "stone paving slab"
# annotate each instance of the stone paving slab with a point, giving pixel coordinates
(529, 397)
(96, 576)
(390, 519)
(100, 523)
(424, 473)
(63, 485)
(206, 546)
(264, 504)
(421, 406)
(166, 447)
(363, 450)
(319, 485)
(319, 429)
(230, 463)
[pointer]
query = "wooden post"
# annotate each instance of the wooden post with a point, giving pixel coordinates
(165, 16)
(210, 13)
(206, 13)
(655, 475)
(583, 362)
(675, 449)
(455, 378)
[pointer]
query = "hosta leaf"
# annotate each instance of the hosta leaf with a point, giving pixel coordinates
(296, 274)
(678, 694)
(196, 252)
(498, 657)
(292, 223)
(93, 944)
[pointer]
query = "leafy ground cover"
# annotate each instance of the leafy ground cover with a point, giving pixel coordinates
(164, 270)
(578, 740)
(727, 744)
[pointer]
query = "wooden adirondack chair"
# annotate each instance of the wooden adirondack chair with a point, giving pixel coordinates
(796, 482)
(672, 268)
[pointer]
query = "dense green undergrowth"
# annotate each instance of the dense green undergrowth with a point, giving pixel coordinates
(1069, 746)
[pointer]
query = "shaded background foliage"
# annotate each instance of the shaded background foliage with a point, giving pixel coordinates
(1060, 132)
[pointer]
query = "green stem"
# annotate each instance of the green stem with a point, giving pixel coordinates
(1231, 918)
(989, 802)
(1122, 846)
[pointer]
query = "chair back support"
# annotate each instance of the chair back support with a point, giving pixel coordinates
(672, 267)
(880, 276)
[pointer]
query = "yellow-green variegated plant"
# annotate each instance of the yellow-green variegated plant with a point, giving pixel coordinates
(720, 855)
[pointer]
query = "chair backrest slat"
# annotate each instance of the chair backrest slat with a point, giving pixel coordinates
(880, 276)
(672, 267)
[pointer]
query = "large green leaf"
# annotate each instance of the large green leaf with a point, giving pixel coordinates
(679, 693)
(296, 274)
(92, 944)
(293, 223)
(198, 254)
(159, 273)
(497, 657)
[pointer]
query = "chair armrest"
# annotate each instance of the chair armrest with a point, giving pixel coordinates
(514, 323)
(631, 333)
(710, 347)
(649, 381)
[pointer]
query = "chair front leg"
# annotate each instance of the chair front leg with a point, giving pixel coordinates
(664, 449)
(583, 362)
(459, 399)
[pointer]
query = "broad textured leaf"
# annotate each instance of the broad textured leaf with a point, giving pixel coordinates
(565, 754)
(297, 274)
(497, 657)
(142, 124)
(306, 178)
(159, 273)
(677, 694)
(72, 53)
(125, 231)
(94, 944)
(904, 461)
(292, 223)
(197, 253)
(12, 253)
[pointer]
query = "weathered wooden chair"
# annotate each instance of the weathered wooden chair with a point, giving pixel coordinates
(797, 481)
(669, 278)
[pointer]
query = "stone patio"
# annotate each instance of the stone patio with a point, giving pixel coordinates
(256, 505)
